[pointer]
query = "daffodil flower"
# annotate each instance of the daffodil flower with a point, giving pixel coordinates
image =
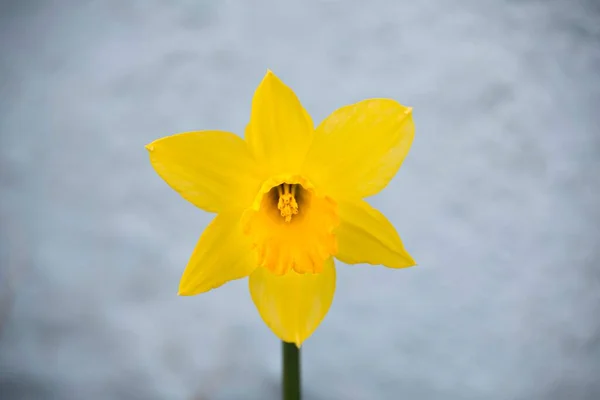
(288, 199)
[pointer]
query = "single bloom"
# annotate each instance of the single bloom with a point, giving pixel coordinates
(288, 199)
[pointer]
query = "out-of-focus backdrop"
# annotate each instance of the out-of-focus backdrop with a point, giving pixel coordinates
(498, 200)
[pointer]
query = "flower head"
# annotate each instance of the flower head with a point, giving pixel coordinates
(289, 198)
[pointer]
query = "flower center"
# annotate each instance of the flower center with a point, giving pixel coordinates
(291, 227)
(287, 204)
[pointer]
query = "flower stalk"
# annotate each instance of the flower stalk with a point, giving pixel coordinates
(291, 371)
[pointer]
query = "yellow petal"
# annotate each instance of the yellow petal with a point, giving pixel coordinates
(222, 254)
(366, 236)
(280, 130)
(212, 169)
(359, 148)
(293, 305)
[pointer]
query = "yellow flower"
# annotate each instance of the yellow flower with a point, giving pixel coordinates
(288, 199)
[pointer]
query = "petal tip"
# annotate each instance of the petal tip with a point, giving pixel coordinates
(184, 291)
(410, 263)
(150, 147)
(298, 340)
(269, 75)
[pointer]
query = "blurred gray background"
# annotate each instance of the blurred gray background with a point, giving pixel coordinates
(497, 200)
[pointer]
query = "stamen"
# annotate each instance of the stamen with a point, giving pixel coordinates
(287, 204)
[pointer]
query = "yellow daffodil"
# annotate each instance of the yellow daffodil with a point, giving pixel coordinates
(289, 198)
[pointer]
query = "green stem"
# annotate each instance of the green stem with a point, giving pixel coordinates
(291, 371)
